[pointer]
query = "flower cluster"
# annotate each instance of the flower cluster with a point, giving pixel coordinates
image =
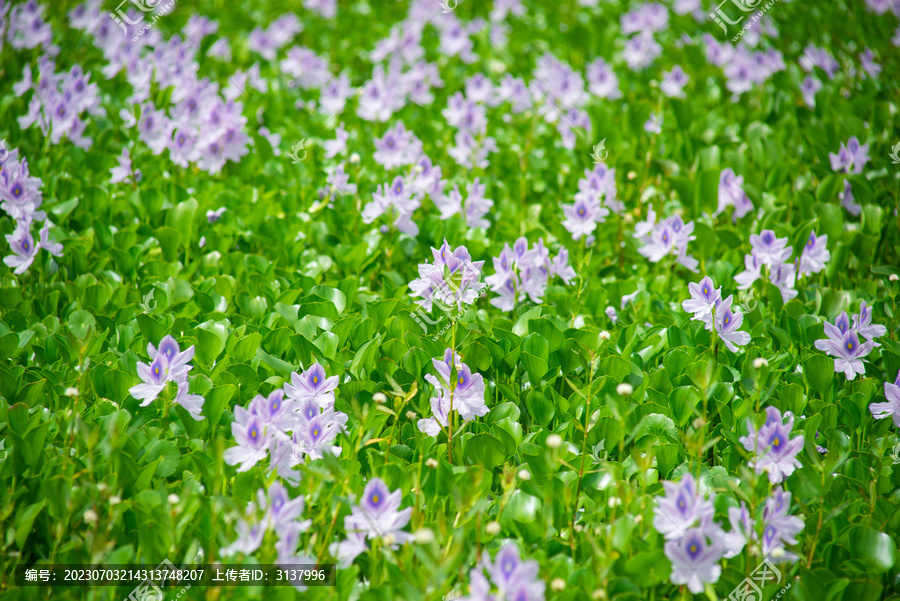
(892, 407)
(461, 391)
(450, 282)
(59, 102)
(511, 577)
(731, 194)
(472, 208)
(706, 305)
(290, 425)
(377, 516)
(520, 272)
(843, 341)
(595, 189)
(850, 158)
(695, 542)
(21, 198)
(775, 452)
(772, 253)
(280, 514)
(743, 68)
(167, 364)
(669, 236)
(644, 19)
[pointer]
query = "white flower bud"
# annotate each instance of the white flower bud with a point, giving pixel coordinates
(624, 389)
(102, 487)
(492, 528)
(759, 363)
(554, 441)
(90, 516)
(524, 475)
(893, 277)
(604, 335)
(379, 397)
(424, 536)
(431, 462)
(174, 499)
(354, 158)
(410, 415)
(70, 392)
(558, 584)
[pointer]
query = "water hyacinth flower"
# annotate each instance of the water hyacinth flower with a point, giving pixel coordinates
(25, 249)
(779, 527)
(814, 256)
(312, 385)
(892, 407)
(512, 577)
(674, 82)
(847, 201)
(397, 148)
(704, 298)
(694, 558)
(842, 342)
(279, 515)
(731, 193)
(769, 248)
(377, 516)
(775, 452)
(451, 281)
(667, 237)
(253, 440)
(681, 509)
(742, 531)
(727, 326)
(473, 208)
(167, 364)
(809, 87)
(850, 158)
(398, 200)
(522, 272)
(462, 392)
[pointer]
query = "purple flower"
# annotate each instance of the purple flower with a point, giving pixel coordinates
(669, 236)
(674, 82)
(741, 531)
(694, 558)
(892, 407)
(465, 391)
(653, 125)
(641, 50)
(451, 281)
(843, 344)
(339, 144)
(809, 88)
(212, 216)
(731, 193)
(167, 364)
(276, 412)
(252, 438)
(602, 81)
(779, 527)
(704, 297)
(397, 148)
(511, 575)
(583, 216)
(850, 158)
(314, 385)
(473, 208)
(871, 68)
(862, 323)
(774, 450)
(378, 514)
(815, 255)
(769, 249)
(681, 508)
(846, 197)
(398, 199)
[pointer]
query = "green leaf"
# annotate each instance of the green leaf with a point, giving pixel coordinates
(876, 550)
(486, 450)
